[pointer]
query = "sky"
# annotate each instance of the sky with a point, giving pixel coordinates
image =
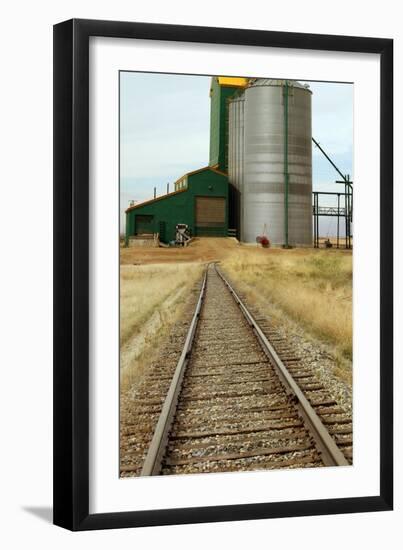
(165, 126)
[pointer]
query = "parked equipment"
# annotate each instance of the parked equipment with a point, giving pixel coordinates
(182, 234)
(263, 239)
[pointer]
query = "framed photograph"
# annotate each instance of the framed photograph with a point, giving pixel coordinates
(223, 237)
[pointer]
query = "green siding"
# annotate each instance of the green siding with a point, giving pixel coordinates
(144, 224)
(180, 207)
(211, 232)
(214, 122)
(218, 124)
(129, 226)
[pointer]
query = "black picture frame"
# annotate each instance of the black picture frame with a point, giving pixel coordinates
(71, 274)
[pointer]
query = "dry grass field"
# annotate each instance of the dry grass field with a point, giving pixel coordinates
(312, 288)
(199, 250)
(151, 300)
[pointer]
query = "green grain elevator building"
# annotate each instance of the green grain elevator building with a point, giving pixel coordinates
(201, 199)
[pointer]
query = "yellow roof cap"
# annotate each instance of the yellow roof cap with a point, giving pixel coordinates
(232, 81)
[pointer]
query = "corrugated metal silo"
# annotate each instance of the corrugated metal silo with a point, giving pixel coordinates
(277, 119)
(236, 151)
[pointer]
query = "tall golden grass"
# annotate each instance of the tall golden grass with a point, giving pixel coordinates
(313, 287)
(152, 298)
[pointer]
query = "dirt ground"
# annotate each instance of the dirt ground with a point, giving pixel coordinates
(333, 240)
(204, 249)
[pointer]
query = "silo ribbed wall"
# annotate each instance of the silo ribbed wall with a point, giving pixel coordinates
(263, 185)
(236, 150)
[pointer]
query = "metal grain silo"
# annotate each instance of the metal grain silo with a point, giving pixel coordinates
(236, 152)
(277, 179)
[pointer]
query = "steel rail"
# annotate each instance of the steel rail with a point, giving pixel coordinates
(155, 454)
(326, 446)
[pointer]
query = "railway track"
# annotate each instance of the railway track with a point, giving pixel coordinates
(235, 401)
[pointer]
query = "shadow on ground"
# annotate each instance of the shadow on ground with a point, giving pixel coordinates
(45, 513)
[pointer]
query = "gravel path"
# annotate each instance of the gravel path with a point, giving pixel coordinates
(314, 359)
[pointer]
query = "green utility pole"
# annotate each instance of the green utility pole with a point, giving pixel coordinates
(286, 175)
